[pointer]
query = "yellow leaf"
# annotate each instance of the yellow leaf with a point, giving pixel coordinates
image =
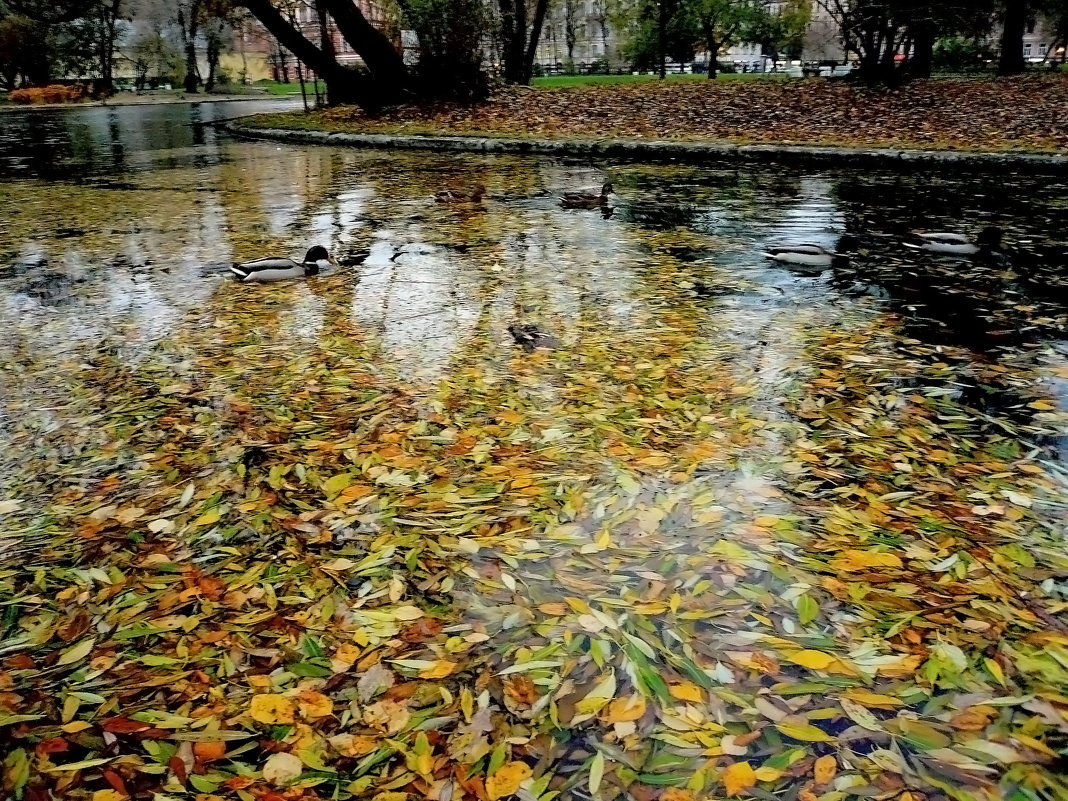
(1042, 406)
(271, 709)
(507, 779)
(314, 705)
(76, 726)
(438, 669)
(766, 774)
(854, 560)
(875, 700)
(687, 691)
(555, 609)
(353, 745)
(407, 613)
(813, 660)
(825, 769)
(676, 794)
(766, 521)
(738, 778)
(995, 670)
(805, 732)
(624, 709)
(108, 795)
(209, 518)
(348, 653)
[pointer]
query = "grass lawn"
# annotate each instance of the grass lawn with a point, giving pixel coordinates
(291, 88)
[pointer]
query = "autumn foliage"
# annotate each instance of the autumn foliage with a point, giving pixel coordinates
(54, 93)
(1024, 113)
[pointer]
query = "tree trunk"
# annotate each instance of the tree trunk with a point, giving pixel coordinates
(192, 77)
(213, 63)
(326, 41)
(107, 48)
(713, 52)
(661, 37)
(540, 10)
(1011, 61)
(923, 53)
(519, 50)
(384, 62)
(342, 85)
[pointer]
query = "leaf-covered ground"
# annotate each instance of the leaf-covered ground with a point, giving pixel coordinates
(1016, 114)
(802, 539)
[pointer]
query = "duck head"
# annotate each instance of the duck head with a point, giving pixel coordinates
(317, 258)
(607, 190)
(990, 237)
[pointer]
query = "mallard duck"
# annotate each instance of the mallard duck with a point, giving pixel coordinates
(276, 268)
(452, 196)
(586, 200)
(805, 255)
(953, 244)
(530, 337)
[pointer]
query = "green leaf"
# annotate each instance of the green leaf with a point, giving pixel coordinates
(596, 772)
(77, 652)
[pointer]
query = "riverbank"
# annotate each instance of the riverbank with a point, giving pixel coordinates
(1022, 115)
(152, 99)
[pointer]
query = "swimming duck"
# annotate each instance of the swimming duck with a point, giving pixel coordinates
(805, 255)
(586, 200)
(952, 244)
(452, 196)
(274, 268)
(530, 337)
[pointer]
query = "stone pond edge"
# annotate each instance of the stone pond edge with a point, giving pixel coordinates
(652, 150)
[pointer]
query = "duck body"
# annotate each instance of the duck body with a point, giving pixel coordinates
(530, 337)
(276, 268)
(586, 200)
(954, 244)
(453, 196)
(804, 255)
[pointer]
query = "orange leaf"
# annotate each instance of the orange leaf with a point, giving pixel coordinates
(738, 778)
(825, 769)
(207, 752)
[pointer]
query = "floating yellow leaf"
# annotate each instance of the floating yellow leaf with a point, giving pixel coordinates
(825, 769)
(738, 778)
(766, 774)
(874, 700)
(687, 691)
(676, 794)
(813, 660)
(438, 670)
(805, 732)
(353, 745)
(624, 709)
(855, 560)
(555, 609)
(507, 779)
(272, 709)
(108, 795)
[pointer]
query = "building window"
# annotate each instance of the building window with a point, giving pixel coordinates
(1027, 50)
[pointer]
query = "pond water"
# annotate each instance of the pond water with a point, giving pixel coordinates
(713, 433)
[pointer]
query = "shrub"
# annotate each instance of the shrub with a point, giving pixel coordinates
(54, 93)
